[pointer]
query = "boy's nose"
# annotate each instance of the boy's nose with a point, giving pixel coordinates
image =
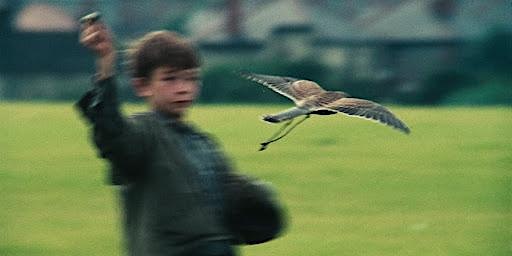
(184, 87)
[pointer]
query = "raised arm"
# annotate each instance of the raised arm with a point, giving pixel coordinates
(122, 142)
(100, 105)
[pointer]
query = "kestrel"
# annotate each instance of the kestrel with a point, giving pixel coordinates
(310, 98)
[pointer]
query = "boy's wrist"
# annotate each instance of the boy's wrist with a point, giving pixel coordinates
(99, 80)
(105, 66)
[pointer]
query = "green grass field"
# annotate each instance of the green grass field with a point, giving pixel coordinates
(351, 187)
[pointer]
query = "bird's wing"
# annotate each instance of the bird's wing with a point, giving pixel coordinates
(323, 99)
(293, 88)
(367, 109)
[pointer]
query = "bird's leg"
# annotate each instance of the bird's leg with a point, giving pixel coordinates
(273, 138)
(291, 128)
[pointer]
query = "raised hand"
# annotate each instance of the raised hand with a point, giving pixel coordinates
(95, 36)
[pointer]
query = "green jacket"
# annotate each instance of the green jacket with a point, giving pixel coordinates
(161, 198)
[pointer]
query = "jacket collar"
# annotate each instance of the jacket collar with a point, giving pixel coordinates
(174, 123)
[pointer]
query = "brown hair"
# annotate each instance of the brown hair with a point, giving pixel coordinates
(161, 48)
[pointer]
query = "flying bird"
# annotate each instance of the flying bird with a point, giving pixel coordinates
(311, 99)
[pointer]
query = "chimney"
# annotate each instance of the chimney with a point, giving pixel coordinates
(444, 9)
(234, 18)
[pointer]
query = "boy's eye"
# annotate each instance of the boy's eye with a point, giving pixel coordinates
(170, 78)
(193, 78)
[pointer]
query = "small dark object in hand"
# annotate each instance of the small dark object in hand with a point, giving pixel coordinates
(90, 18)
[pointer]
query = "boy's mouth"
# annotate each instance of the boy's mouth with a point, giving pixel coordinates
(182, 103)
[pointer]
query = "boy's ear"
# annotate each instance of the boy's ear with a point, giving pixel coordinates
(141, 87)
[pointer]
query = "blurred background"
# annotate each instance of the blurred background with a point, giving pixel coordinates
(442, 66)
(431, 52)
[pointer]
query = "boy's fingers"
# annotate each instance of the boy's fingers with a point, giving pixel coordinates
(98, 42)
(94, 35)
(89, 29)
(86, 33)
(91, 38)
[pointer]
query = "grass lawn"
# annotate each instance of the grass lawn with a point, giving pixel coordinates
(350, 187)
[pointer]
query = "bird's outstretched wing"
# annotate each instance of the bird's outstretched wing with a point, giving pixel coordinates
(293, 88)
(367, 109)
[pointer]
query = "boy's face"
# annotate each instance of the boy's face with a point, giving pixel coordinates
(172, 91)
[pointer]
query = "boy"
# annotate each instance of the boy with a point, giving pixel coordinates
(179, 194)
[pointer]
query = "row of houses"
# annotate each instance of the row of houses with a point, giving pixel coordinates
(401, 40)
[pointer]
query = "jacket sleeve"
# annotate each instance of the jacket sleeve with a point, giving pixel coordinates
(123, 142)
